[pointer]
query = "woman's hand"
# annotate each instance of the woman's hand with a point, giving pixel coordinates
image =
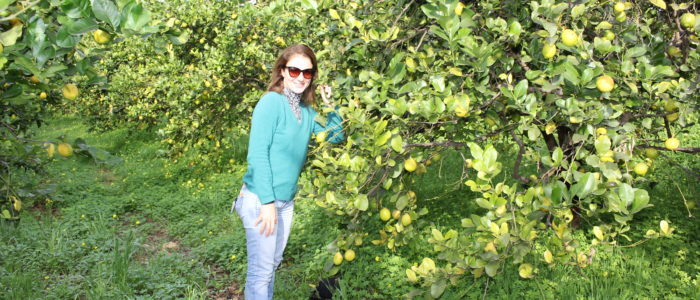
(268, 218)
(326, 94)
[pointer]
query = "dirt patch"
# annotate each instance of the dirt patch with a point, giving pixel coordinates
(232, 292)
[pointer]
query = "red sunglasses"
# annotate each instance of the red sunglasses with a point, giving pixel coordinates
(294, 72)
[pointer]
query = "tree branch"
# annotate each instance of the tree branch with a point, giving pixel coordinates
(518, 160)
(682, 149)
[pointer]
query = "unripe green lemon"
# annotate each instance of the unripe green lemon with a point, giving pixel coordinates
(688, 20)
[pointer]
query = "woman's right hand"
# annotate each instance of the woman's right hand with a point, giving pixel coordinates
(268, 218)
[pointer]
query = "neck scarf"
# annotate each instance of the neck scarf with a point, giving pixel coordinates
(294, 101)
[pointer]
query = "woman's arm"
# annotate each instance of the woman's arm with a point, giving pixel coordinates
(334, 122)
(262, 129)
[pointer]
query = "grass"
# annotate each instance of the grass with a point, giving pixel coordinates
(155, 228)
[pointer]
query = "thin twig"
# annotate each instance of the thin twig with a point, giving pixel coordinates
(683, 149)
(12, 16)
(685, 202)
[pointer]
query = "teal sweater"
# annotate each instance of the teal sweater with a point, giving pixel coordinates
(278, 145)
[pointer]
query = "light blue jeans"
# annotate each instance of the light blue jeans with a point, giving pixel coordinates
(264, 252)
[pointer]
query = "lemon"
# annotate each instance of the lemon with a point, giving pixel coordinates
(601, 131)
(406, 220)
(410, 164)
(548, 257)
(569, 37)
(50, 149)
(651, 153)
(688, 20)
(17, 205)
(384, 214)
(621, 17)
(609, 35)
(42, 95)
(672, 117)
(70, 91)
(549, 50)
(396, 214)
(672, 143)
(65, 149)
(551, 126)
(34, 79)
(619, 7)
(461, 111)
(641, 169)
(605, 83)
(459, 8)
(321, 137)
(670, 105)
(337, 258)
(100, 36)
(349, 255)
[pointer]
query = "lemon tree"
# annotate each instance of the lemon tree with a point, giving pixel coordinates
(42, 55)
(582, 95)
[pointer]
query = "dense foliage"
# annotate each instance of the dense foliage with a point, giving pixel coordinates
(584, 95)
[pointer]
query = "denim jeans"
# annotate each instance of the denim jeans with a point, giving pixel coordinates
(264, 252)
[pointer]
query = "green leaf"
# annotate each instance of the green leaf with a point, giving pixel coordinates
(520, 89)
(602, 144)
(383, 138)
(626, 194)
(82, 26)
(659, 3)
(578, 10)
(584, 186)
(106, 11)
(397, 144)
(641, 201)
(9, 38)
(135, 17)
(636, 51)
(74, 8)
(362, 202)
(475, 150)
(5, 3)
(402, 202)
(491, 269)
(557, 156)
(437, 288)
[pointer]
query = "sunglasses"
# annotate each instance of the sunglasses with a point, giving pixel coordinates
(294, 72)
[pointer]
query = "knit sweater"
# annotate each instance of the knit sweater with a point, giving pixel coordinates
(278, 146)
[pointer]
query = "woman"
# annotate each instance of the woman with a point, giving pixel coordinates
(282, 123)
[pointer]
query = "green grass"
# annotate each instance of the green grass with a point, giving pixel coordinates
(86, 243)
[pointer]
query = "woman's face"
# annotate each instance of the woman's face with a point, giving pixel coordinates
(297, 84)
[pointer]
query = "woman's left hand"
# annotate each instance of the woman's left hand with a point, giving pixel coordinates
(326, 94)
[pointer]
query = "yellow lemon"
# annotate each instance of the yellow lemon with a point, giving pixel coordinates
(549, 50)
(42, 95)
(461, 111)
(50, 149)
(384, 214)
(621, 17)
(641, 169)
(569, 37)
(349, 255)
(672, 143)
(100, 36)
(619, 7)
(34, 79)
(406, 220)
(672, 117)
(601, 131)
(337, 258)
(688, 20)
(670, 105)
(65, 149)
(321, 137)
(609, 35)
(396, 214)
(410, 164)
(551, 126)
(70, 91)
(459, 8)
(605, 83)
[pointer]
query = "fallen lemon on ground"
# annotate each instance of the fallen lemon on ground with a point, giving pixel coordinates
(349, 255)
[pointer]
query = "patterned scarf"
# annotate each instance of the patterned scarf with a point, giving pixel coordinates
(294, 101)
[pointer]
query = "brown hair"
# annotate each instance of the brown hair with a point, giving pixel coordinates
(276, 81)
